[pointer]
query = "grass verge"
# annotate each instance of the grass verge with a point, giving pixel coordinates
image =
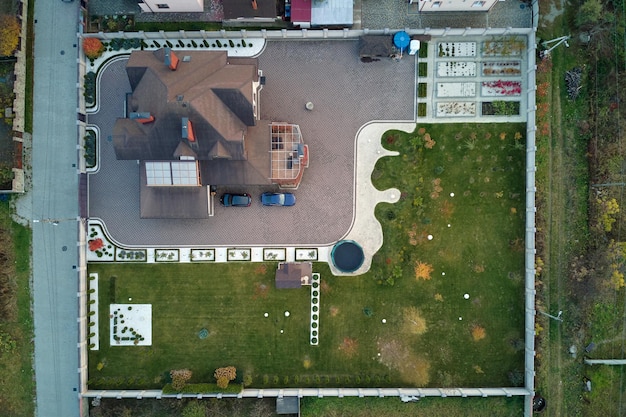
(17, 387)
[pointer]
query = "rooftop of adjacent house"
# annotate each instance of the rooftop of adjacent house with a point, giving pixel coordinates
(236, 9)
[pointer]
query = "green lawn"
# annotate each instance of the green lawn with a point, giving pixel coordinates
(423, 341)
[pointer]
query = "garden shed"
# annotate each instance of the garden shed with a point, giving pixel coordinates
(293, 274)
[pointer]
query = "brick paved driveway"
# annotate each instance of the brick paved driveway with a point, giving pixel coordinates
(346, 94)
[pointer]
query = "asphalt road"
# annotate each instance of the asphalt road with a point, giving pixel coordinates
(55, 209)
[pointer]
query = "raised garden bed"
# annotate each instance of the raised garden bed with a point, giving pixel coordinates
(199, 255)
(166, 255)
(306, 254)
(456, 109)
(500, 108)
(124, 255)
(510, 46)
(274, 254)
(421, 109)
(457, 49)
(456, 69)
(500, 88)
(238, 254)
(90, 148)
(500, 68)
(422, 90)
(456, 89)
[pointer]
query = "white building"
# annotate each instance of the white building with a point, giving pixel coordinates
(168, 6)
(455, 5)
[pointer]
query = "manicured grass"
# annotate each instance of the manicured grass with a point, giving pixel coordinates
(17, 388)
(393, 407)
(481, 254)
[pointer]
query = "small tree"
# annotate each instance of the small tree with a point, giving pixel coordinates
(423, 271)
(9, 34)
(93, 48)
(180, 378)
(225, 375)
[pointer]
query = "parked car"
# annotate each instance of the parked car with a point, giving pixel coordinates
(236, 200)
(278, 199)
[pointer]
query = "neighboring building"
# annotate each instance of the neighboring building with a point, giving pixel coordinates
(168, 6)
(311, 13)
(193, 121)
(256, 11)
(454, 5)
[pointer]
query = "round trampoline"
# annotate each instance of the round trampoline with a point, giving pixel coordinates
(347, 256)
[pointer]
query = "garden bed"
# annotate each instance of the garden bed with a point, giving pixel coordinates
(238, 254)
(456, 49)
(306, 254)
(166, 255)
(501, 88)
(509, 46)
(456, 109)
(500, 68)
(274, 254)
(456, 89)
(456, 69)
(500, 108)
(200, 255)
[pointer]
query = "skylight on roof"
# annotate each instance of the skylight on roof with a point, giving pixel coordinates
(172, 173)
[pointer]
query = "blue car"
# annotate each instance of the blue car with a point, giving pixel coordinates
(278, 199)
(236, 200)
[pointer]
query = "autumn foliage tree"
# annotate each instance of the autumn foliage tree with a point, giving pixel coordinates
(180, 378)
(92, 47)
(9, 34)
(224, 375)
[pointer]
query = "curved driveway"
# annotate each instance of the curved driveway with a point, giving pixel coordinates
(346, 94)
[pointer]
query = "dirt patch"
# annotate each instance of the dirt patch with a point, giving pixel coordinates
(412, 368)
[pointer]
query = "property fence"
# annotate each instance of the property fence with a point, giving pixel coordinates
(324, 34)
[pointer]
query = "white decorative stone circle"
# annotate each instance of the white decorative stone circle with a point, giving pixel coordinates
(430, 237)
(451, 194)
(287, 314)
(384, 321)
(266, 315)
(460, 318)
(466, 296)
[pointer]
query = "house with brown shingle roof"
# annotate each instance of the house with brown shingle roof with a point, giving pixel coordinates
(192, 120)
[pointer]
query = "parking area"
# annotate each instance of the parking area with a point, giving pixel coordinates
(346, 94)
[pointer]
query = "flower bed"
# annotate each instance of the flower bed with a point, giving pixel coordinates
(199, 255)
(457, 49)
(504, 47)
(166, 255)
(456, 89)
(93, 336)
(274, 254)
(309, 254)
(502, 68)
(125, 255)
(456, 69)
(100, 249)
(238, 255)
(500, 108)
(501, 88)
(456, 109)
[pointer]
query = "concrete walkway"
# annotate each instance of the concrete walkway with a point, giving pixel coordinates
(54, 209)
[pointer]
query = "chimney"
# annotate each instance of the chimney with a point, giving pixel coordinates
(171, 60)
(254, 5)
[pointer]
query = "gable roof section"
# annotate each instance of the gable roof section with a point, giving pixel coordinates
(213, 93)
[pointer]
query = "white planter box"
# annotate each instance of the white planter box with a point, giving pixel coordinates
(238, 254)
(456, 69)
(166, 255)
(107, 251)
(456, 49)
(456, 89)
(309, 254)
(202, 255)
(456, 109)
(274, 254)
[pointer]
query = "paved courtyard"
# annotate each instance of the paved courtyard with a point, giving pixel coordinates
(346, 93)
